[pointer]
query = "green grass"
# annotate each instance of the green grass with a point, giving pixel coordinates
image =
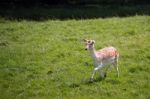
(47, 60)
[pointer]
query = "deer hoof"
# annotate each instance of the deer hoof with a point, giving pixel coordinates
(105, 74)
(91, 80)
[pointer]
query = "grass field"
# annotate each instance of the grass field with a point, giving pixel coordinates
(47, 60)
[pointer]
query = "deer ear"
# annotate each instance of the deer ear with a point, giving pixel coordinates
(93, 41)
(85, 40)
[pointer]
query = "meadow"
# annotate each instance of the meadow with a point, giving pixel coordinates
(46, 59)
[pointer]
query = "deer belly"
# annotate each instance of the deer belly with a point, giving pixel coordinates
(108, 61)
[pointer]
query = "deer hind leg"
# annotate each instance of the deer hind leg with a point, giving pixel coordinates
(116, 65)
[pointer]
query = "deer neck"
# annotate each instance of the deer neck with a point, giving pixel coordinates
(93, 54)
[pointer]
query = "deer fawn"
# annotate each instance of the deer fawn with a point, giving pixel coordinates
(102, 58)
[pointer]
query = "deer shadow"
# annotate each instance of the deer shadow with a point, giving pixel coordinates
(91, 81)
(86, 82)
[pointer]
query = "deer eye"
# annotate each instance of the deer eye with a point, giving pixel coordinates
(89, 41)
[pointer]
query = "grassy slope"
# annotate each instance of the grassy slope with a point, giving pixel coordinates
(47, 59)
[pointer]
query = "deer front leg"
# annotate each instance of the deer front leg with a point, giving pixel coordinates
(105, 71)
(95, 69)
(103, 74)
